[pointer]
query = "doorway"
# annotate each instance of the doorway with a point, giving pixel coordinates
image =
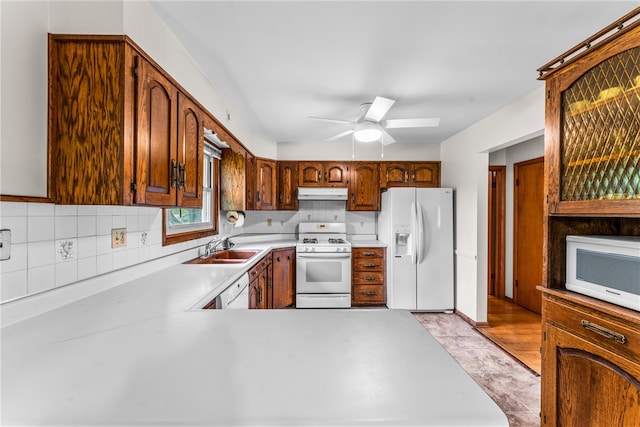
(528, 219)
(496, 231)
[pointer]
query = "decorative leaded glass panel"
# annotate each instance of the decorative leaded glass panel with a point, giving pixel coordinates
(601, 132)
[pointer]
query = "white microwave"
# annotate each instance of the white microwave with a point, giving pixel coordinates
(606, 268)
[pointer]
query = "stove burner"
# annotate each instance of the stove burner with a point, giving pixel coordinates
(309, 240)
(336, 241)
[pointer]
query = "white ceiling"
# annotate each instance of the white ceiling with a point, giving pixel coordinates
(278, 62)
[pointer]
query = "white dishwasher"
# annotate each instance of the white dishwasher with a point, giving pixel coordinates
(236, 295)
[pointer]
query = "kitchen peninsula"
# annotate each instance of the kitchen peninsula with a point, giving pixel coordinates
(141, 353)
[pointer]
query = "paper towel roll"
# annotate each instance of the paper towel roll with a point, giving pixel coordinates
(240, 221)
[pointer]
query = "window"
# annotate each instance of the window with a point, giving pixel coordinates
(182, 224)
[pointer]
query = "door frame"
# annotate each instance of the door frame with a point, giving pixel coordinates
(496, 231)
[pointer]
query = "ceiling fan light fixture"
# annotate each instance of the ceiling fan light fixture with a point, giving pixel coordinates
(367, 132)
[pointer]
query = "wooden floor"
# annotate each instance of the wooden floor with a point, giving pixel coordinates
(517, 330)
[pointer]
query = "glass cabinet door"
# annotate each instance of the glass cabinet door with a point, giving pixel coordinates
(600, 132)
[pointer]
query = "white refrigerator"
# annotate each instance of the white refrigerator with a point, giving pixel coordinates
(417, 226)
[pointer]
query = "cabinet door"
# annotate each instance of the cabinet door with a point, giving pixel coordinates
(586, 385)
(364, 187)
(190, 153)
(250, 180)
(394, 174)
(283, 277)
(288, 186)
(157, 162)
(336, 174)
(310, 174)
(266, 198)
(233, 175)
(424, 174)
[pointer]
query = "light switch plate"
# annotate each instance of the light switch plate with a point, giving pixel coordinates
(5, 244)
(118, 238)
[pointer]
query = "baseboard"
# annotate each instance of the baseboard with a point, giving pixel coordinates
(470, 320)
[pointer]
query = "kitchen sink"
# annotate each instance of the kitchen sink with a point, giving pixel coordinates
(228, 256)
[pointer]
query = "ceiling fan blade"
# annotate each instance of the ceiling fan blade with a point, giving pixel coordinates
(386, 138)
(411, 123)
(378, 109)
(332, 120)
(340, 135)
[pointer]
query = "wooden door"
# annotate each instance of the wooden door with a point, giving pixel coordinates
(336, 174)
(288, 186)
(424, 174)
(528, 236)
(157, 162)
(310, 174)
(394, 174)
(283, 273)
(190, 153)
(266, 184)
(364, 187)
(496, 231)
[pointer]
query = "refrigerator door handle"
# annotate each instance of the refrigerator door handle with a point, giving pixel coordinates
(414, 220)
(420, 239)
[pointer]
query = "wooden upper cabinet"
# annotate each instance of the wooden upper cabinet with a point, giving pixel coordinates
(251, 184)
(120, 130)
(364, 187)
(592, 125)
(323, 174)
(266, 184)
(190, 153)
(287, 185)
(410, 174)
(233, 178)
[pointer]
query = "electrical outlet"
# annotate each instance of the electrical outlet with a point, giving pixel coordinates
(118, 238)
(5, 244)
(269, 222)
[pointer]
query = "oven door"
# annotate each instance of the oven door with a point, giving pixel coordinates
(318, 273)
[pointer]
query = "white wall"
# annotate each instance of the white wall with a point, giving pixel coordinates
(344, 150)
(521, 152)
(465, 162)
(23, 119)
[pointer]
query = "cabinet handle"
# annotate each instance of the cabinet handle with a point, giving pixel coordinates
(368, 293)
(370, 265)
(353, 198)
(174, 173)
(413, 176)
(280, 197)
(257, 196)
(601, 330)
(318, 176)
(406, 176)
(181, 169)
(326, 176)
(368, 278)
(368, 253)
(278, 259)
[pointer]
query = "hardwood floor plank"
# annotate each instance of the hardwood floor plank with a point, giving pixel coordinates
(516, 330)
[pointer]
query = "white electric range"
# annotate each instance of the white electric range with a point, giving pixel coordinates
(323, 266)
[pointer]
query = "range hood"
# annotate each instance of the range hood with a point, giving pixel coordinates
(322, 193)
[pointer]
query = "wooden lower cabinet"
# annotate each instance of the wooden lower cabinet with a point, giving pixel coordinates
(272, 280)
(259, 283)
(283, 290)
(368, 276)
(590, 362)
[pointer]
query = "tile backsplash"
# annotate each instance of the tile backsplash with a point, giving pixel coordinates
(56, 245)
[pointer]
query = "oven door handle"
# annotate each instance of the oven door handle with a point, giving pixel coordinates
(324, 255)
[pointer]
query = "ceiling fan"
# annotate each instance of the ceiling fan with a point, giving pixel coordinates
(370, 126)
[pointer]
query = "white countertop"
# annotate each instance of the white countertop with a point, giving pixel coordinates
(137, 354)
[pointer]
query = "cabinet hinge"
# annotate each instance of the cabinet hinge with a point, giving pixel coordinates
(544, 335)
(134, 71)
(517, 181)
(548, 94)
(133, 187)
(516, 283)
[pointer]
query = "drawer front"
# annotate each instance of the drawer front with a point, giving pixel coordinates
(598, 328)
(368, 264)
(358, 253)
(368, 278)
(368, 294)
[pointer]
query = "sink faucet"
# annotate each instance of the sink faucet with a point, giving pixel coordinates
(215, 244)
